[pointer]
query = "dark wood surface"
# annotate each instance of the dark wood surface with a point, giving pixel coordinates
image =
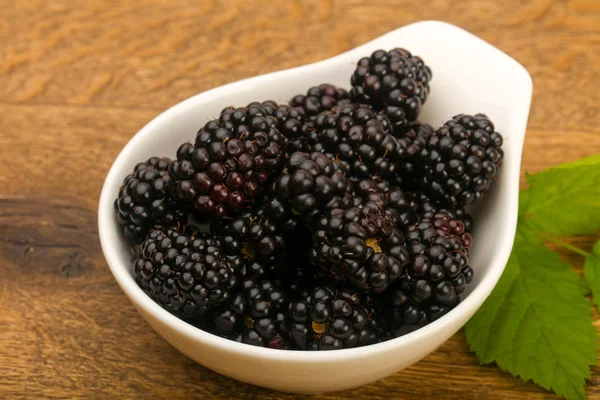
(78, 79)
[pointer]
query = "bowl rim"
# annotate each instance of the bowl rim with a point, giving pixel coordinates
(142, 301)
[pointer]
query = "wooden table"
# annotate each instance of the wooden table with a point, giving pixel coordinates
(77, 81)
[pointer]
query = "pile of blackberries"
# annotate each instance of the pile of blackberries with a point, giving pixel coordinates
(335, 221)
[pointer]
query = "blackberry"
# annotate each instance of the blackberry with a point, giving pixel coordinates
(255, 237)
(292, 123)
(402, 314)
(392, 78)
(404, 207)
(330, 318)
(360, 138)
(255, 315)
(144, 201)
(421, 204)
(374, 190)
(412, 140)
(230, 163)
(187, 274)
(460, 162)
(320, 98)
(255, 108)
(310, 183)
(360, 245)
(399, 205)
(438, 272)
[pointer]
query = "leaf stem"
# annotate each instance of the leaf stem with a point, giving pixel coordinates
(568, 246)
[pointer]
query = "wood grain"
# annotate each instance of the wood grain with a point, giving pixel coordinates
(77, 79)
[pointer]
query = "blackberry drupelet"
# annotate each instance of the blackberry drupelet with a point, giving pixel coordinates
(360, 245)
(399, 124)
(255, 315)
(330, 318)
(256, 238)
(144, 202)
(230, 163)
(392, 78)
(438, 272)
(187, 274)
(359, 138)
(320, 98)
(460, 162)
(310, 183)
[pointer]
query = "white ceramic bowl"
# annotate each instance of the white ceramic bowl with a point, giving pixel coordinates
(469, 76)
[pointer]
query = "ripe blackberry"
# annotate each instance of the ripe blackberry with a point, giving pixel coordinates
(230, 163)
(360, 138)
(374, 190)
(403, 206)
(255, 237)
(255, 315)
(289, 120)
(320, 98)
(292, 123)
(255, 108)
(144, 202)
(330, 318)
(412, 140)
(421, 204)
(392, 78)
(187, 274)
(402, 314)
(360, 245)
(400, 169)
(310, 183)
(460, 162)
(438, 272)
(398, 204)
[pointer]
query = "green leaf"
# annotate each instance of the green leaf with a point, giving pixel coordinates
(564, 200)
(591, 271)
(537, 323)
